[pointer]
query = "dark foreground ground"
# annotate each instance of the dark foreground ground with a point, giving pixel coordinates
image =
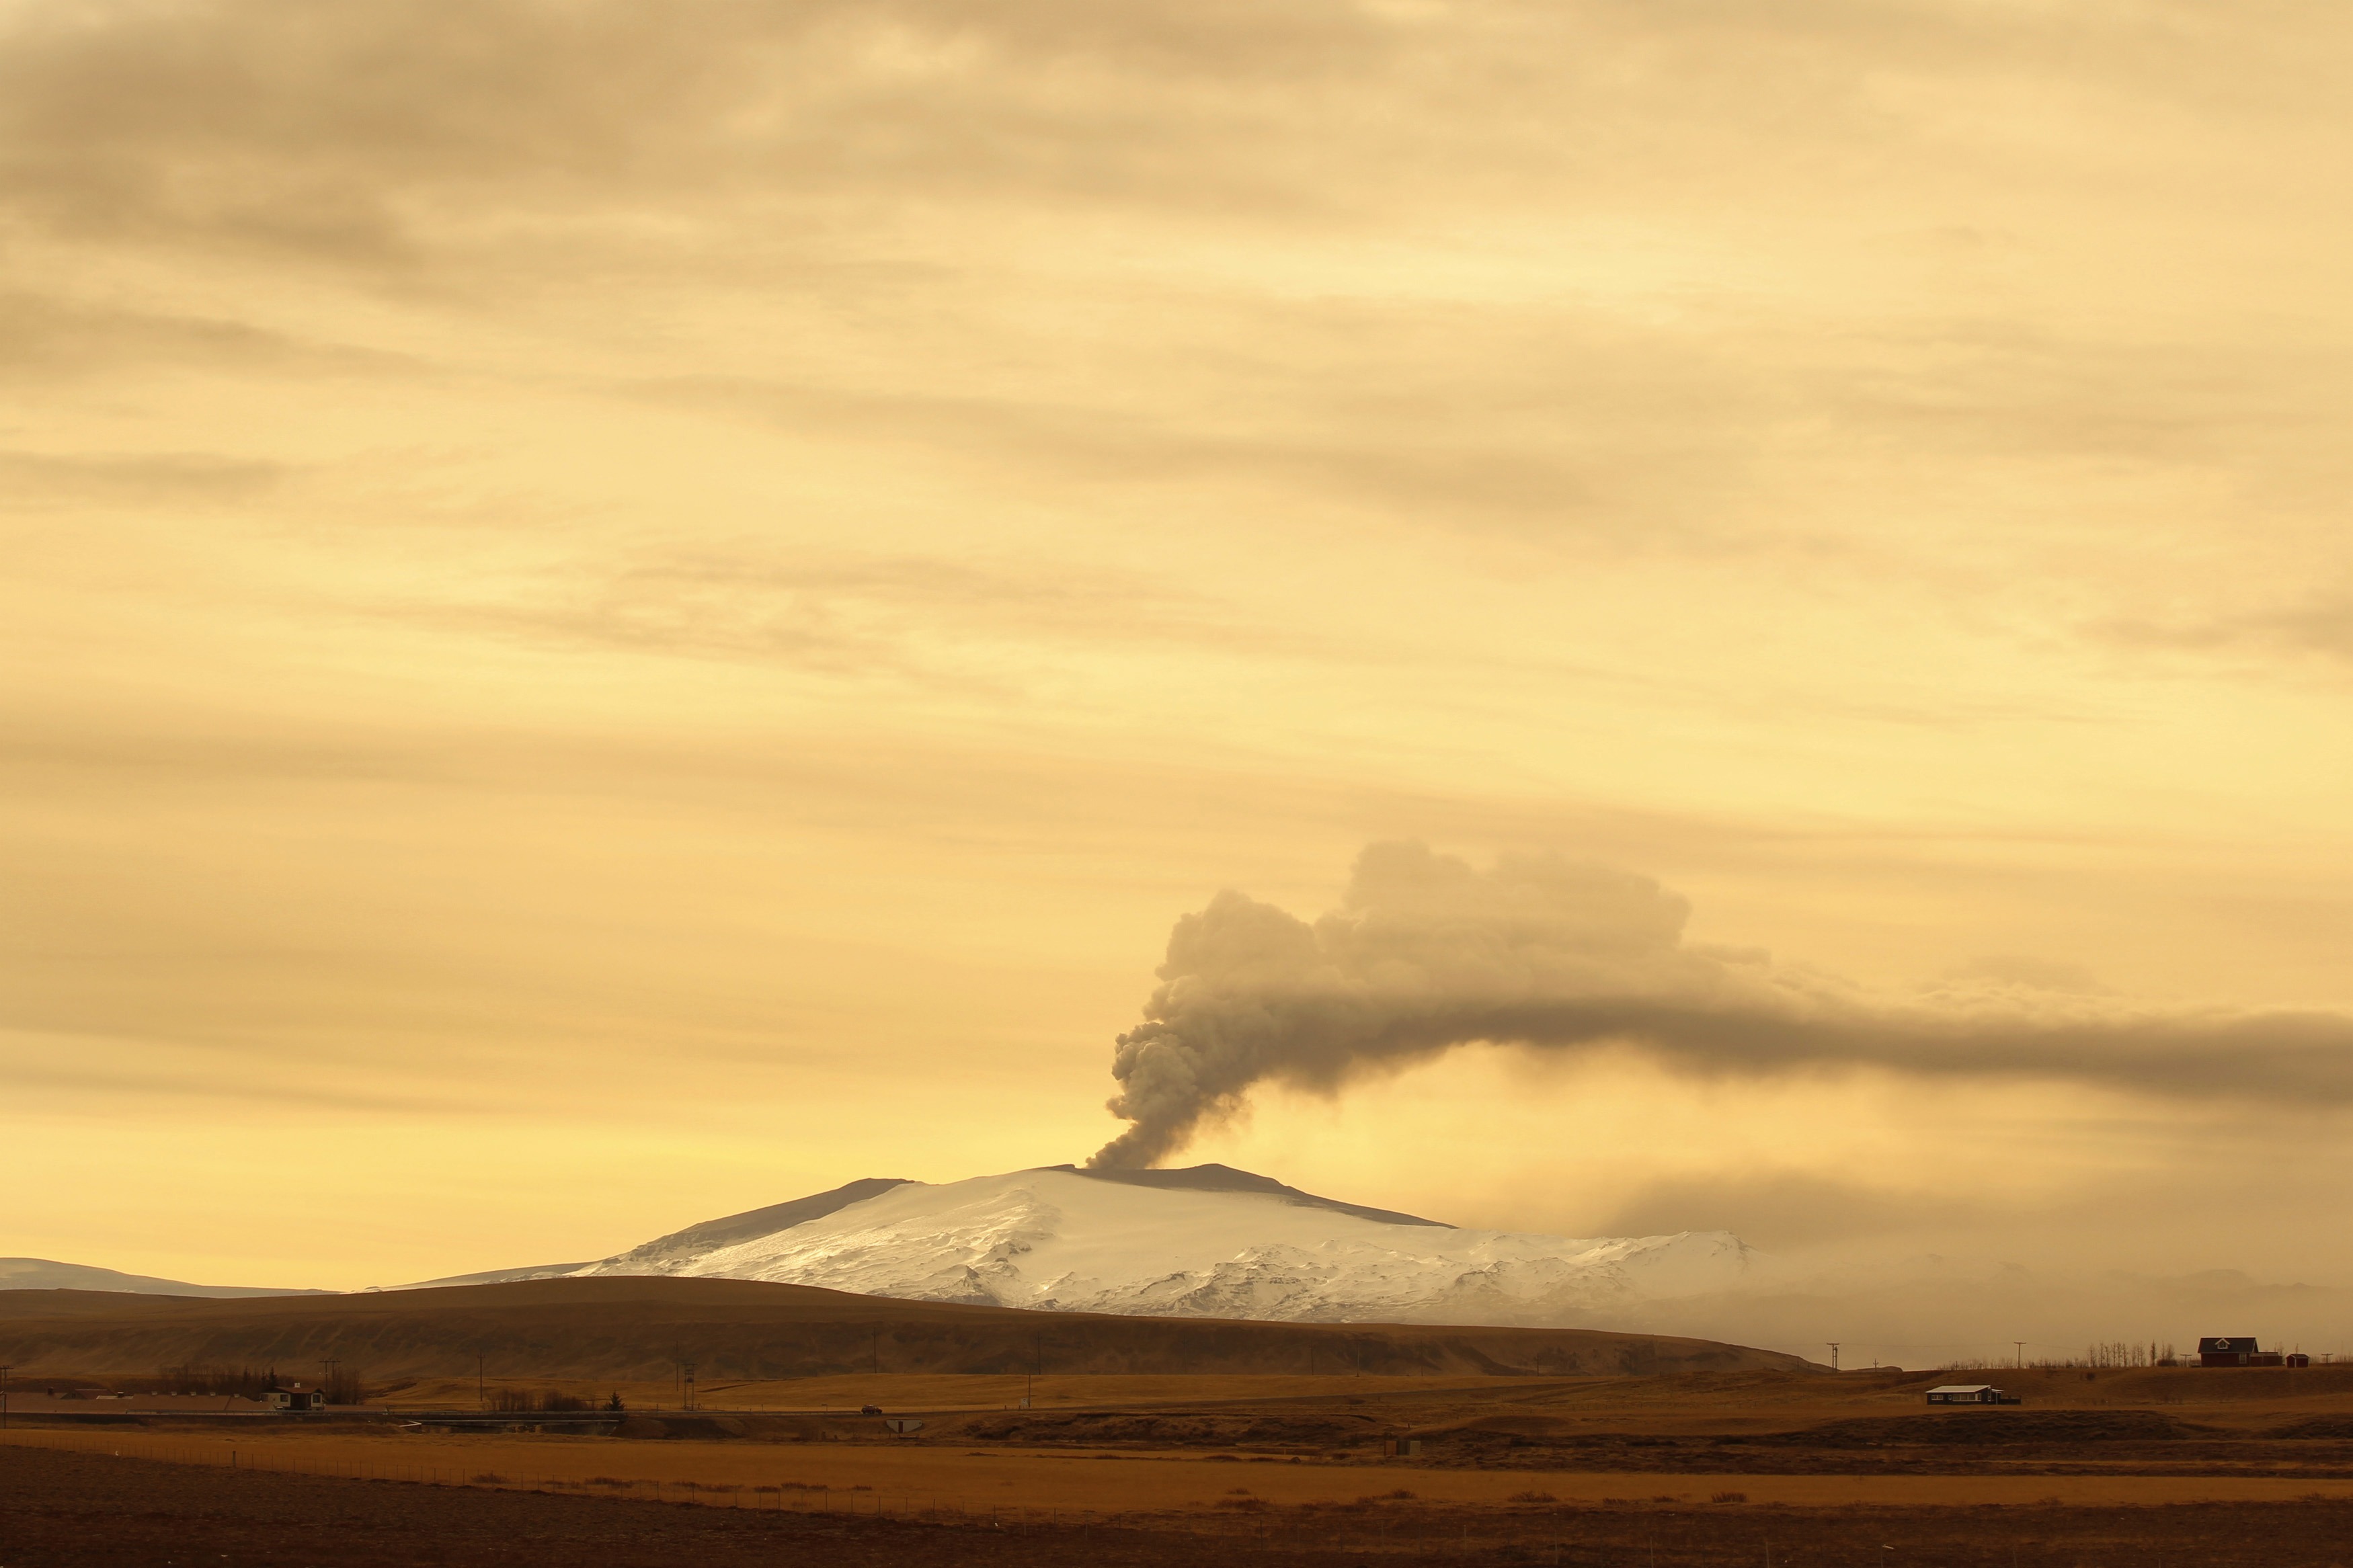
(65, 1510)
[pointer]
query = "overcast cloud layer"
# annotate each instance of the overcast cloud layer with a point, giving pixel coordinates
(678, 594)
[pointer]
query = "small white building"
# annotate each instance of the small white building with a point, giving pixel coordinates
(1970, 1394)
(295, 1396)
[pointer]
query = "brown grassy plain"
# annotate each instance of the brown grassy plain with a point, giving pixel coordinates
(1108, 1484)
(1709, 1456)
(61, 1509)
(1165, 1444)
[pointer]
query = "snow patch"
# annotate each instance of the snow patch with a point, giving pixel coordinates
(1059, 1240)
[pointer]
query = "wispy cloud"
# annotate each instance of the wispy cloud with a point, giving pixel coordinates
(29, 479)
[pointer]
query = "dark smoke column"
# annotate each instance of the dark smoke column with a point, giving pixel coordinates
(1426, 952)
(1160, 1089)
(1218, 1023)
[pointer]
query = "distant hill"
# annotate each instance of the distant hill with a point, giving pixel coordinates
(44, 1274)
(499, 1276)
(643, 1326)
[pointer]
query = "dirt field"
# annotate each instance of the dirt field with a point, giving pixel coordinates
(60, 1509)
(901, 1479)
(1714, 1403)
(1177, 1445)
(1519, 1469)
(1710, 1403)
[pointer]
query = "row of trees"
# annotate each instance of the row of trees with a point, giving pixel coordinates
(2126, 1352)
(524, 1401)
(245, 1382)
(342, 1387)
(2112, 1354)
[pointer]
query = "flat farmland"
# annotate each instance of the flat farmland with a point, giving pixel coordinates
(925, 1479)
(68, 1509)
(923, 1393)
(1152, 1466)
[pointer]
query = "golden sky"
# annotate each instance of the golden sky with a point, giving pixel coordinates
(617, 613)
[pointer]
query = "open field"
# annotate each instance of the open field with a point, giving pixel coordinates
(904, 1478)
(60, 1509)
(929, 1391)
(1126, 1457)
(1175, 1444)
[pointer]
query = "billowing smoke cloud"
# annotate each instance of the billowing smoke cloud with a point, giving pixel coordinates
(1426, 952)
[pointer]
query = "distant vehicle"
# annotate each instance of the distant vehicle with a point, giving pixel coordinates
(869, 1410)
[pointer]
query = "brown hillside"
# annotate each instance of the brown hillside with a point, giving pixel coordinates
(642, 1327)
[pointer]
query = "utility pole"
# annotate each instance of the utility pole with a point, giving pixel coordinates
(2022, 1354)
(1834, 1345)
(482, 1380)
(5, 1370)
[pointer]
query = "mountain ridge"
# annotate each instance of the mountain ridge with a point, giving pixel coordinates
(1213, 1178)
(48, 1274)
(1207, 1241)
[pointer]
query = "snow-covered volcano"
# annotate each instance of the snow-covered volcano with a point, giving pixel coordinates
(1206, 1242)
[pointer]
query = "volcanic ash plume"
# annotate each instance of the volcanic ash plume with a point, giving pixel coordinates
(1426, 952)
